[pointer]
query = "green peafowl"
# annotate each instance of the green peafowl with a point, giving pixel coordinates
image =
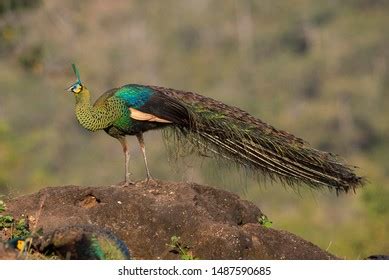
(214, 129)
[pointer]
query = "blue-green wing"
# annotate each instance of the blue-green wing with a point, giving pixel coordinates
(149, 101)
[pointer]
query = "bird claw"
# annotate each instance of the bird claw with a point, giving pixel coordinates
(149, 181)
(125, 184)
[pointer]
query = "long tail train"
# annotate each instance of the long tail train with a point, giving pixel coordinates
(229, 133)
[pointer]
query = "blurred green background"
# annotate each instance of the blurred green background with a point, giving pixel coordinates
(318, 69)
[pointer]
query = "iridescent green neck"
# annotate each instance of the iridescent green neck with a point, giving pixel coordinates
(91, 118)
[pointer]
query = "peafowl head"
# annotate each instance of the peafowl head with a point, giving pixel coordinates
(78, 89)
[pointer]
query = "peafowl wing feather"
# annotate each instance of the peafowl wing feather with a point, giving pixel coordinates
(146, 100)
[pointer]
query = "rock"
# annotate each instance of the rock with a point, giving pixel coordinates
(8, 253)
(210, 223)
(81, 242)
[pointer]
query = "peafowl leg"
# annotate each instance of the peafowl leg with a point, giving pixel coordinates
(142, 147)
(126, 152)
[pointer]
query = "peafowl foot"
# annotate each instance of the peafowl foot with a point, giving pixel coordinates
(149, 181)
(125, 184)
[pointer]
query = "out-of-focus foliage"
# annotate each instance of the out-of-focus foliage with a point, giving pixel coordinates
(318, 69)
(14, 5)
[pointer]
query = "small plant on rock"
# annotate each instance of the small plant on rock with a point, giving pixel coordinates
(264, 220)
(182, 250)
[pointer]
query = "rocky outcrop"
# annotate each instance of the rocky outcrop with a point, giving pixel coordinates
(210, 223)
